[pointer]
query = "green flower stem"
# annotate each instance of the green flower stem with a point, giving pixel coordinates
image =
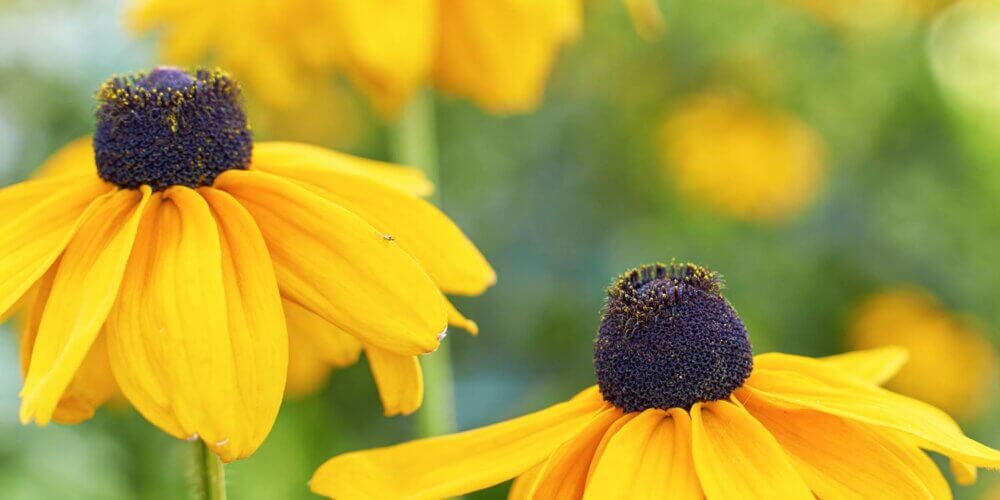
(208, 475)
(414, 143)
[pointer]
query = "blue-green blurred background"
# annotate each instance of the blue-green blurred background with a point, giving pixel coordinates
(564, 199)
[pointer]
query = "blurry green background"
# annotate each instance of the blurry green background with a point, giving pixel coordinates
(564, 199)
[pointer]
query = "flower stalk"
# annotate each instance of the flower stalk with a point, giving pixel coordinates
(208, 475)
(414, 143)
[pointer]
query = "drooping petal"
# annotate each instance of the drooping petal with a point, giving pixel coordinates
(817, 385)
(33, 237)
(92, 385)
(736, 457)
(873, 365)
(421, 229)
(838, 458)
(83, 291)
(256, 322)
(455, 464)
(399, 379)
(339, 267)
(168, 334)
(320, 162)
(564, 474)
(522, 485)
(647, 458)
(455, 318)
(315, 348)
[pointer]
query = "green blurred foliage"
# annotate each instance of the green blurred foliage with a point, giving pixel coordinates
(561, 201)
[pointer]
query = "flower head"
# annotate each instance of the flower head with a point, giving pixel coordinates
(796, 427)
(162, 259)
(742, 161)
(496, 52)
(913, 318)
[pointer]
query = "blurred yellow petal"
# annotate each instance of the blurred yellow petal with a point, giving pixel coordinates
(256, 323)
(838, 458)
(336, 265)
(74, 314)
(647, 17)
(389, 46)
(564, 474)
(168, 337)
(320, 162)
(499, 53)
(816, 385)
(315, 348)
(399, 379)
(455, 464)
(419, 227)
(736, 457)
(73, 159)
(648, 456)
(876, 366)
(33, 237)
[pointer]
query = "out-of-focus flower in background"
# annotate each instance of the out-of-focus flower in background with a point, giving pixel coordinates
(495, 52)
(952, 363)
(745, 161)
(647, 17)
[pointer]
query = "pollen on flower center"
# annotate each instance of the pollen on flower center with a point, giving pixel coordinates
(668, 339)
(170, 128)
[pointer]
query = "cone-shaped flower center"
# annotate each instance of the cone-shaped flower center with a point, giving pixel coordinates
(170, 128)
(668, 339)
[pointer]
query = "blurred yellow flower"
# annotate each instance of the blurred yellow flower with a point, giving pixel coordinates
(951, 363)
(496, 52)
(647, 17)
(741, 160)
(162, 261)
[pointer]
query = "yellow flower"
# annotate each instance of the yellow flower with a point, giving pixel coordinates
(160, 260)
(682, 406)
(740, 160)
(913, 318)
(496, 52)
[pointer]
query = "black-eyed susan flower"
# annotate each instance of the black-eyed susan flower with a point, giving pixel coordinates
(682, 409)
(741, 160)
(913, 318)
(162, 258)
(496, 52)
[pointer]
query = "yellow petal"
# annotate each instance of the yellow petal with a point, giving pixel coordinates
(391, 61)
(32, 238)
(455, 318)
(419, 227)
(612, 430)
(647, 457)
(315, 348)
(920, 464)
(455, 464)
(168, 334)
(965, 474)
(256, 323)
(85, 286)
(736, 457)
(399, 379)
(819, 386)
(73, 159)
(647, 17)
(564, 474)
(336, 265)
(321, 161)
(876, 366)
(522, 485)
(92, 385)
(838, 458)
